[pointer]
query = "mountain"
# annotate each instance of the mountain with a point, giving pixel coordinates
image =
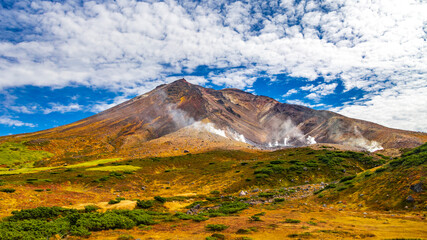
(181, 116)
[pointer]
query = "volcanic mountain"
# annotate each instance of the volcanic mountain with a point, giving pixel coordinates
(181, 116)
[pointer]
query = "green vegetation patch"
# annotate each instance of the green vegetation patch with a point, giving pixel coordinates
(18, 155)
(45, 222)
(216, 227)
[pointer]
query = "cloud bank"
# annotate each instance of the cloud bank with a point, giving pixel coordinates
(132, 46)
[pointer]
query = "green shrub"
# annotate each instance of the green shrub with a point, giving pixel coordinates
(104, 179)
(261, 176)
(114, 201)
(301, 235)
(105, 221)
(289, 220)
(243, 231)
(380, 170)
(279, 200)
(7, 190)
(216, 227)
(144, 204)
(266, 171)
(79, 231)
(91, 208)
(40, 213)
(277, 162)
(125, 237)
(216, 236)
(138, 216)
(215, 192)
(160, 199)
(347, 178)
(267, 194)
(232, 207)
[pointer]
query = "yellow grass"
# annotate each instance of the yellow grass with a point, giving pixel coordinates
(114, 168)
(94, 163)
(5, 171)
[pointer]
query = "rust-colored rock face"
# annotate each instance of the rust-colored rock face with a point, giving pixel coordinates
(261, 121)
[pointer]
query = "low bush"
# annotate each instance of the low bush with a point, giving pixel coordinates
(114, 201)
(267, 194)
(91, 208)
(216, 227)
(144, 204)
(347, 178)
(289, 220)
(216, 236)
(243, 231)
(7, 190)
(125, 237)
(260, 176)
(277, 162)
(382, 169)
(160, 199)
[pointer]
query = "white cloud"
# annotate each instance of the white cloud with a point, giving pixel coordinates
(290, 92)
(299, 102)
(4, 120)
(101, 106)
(56, 107)
(319, 90)
(132, 46)
(395, 108)
(24, 109)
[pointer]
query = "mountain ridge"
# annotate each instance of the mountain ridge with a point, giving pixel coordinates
(235, 115)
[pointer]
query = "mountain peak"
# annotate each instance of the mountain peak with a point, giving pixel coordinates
(179, 81)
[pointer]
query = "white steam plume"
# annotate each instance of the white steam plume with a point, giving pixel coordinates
(361, 142)
(286, 134)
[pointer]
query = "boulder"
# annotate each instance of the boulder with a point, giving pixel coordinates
(410, 199)
(417, 187)
(243, 193)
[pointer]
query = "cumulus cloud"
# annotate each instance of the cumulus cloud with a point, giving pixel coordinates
(5, 120)
(290, 92)
(56, 107)
(131, 46)
(320, 90)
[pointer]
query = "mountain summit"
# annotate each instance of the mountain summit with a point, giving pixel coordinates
(181, 115)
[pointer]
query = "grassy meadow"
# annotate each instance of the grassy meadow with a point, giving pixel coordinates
(296, 193)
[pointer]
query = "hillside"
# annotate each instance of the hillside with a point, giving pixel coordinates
(400, 184)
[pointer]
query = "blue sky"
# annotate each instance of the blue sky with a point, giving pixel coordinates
(61, 61)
